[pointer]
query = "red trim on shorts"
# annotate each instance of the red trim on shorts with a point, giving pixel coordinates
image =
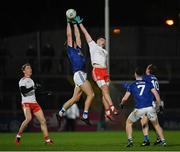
(34, 107)
(100, 74)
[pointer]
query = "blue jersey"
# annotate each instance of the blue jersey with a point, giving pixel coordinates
(141, 91)
(76, 58)
(153, 80)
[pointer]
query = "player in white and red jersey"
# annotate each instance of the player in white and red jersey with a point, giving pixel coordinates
(29, 104)
(100, 70)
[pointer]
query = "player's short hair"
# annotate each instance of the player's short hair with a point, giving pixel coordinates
(24, 66)
(152, 69)
(99, 37)
(139, 71)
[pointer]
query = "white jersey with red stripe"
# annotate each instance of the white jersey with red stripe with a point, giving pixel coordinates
(98, 54)
(30, 96)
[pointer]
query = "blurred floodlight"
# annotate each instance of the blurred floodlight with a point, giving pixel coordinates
(169, 22)
(116, 30)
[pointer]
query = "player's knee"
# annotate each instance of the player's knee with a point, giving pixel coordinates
(128, 122)
(104, 89)
(28, 119)
(91, 95)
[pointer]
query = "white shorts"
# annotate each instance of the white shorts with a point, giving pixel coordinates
(136, 114)
(79, 78)
(100, 83)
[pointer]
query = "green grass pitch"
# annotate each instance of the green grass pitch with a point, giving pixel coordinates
(87, 141)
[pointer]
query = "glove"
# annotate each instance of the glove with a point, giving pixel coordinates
(73, 21)
(121, 105)
(68, 20)
(78, 19)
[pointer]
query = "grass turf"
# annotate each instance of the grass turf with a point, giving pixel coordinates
(87, 141)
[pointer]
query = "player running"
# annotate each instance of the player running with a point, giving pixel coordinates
(142, 92)
(150, 78)
(100, 70)
(78, 62)
(29, 104)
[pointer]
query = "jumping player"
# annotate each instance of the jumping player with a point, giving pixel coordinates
(142, 92)
(78, 62)
(100, 70)
(150, 78)
(29, 104)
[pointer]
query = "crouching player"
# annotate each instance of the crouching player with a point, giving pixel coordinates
(142, 92)
(29, 104)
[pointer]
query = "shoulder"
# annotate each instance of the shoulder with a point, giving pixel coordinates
(146, 77)
(131, 85)
(153, 77)
(23, 81)
(92, 43)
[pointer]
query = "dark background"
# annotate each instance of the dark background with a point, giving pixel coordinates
(27, 16)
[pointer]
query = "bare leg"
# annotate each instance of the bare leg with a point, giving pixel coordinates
(145, 128)
(76, 96)
(40, 116)
(107, 101)
(129, 131)
(87, 89)
(28, 117)
(158, 129)
(106, 95)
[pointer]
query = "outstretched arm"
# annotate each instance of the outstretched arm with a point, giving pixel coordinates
(69, 35)
(86, 34)
(83, 29)
(77, 35)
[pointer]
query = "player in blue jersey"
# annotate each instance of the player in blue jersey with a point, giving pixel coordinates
(142, 92)
(78, 62)
(151, 78)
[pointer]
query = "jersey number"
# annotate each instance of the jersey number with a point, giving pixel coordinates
(155, 84)
(142, 89)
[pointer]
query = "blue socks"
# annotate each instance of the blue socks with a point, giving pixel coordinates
(146, 138)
